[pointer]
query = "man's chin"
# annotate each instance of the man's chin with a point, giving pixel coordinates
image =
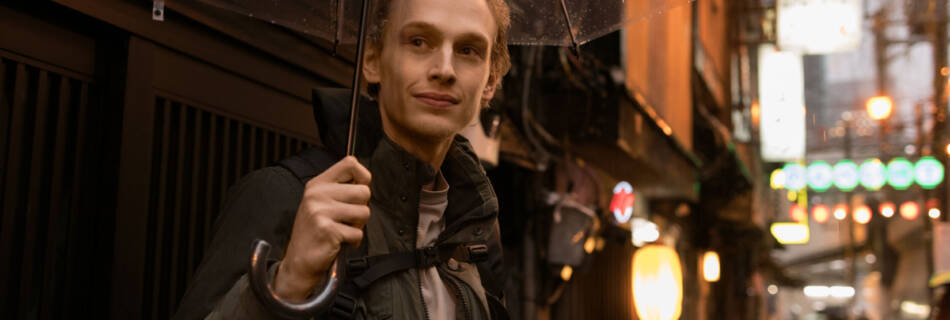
(437, 129)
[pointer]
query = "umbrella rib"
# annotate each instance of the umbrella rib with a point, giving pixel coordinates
(570, 27)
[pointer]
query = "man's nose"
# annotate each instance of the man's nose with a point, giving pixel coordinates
(443, 67)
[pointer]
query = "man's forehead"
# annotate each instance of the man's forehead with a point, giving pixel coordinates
(453, 16)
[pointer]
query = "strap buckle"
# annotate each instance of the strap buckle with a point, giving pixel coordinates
(427, 257)
(477, 252)
(343, 306)
(356, 266)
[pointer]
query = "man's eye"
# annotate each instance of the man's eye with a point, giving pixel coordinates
(468, 51)
(417, 42)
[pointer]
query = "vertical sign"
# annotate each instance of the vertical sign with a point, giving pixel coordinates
(782, 103)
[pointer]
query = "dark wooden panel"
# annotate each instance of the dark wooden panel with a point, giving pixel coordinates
(43, 229)
(181, 151)
(46, 42)
(182, 184)
(306, 67)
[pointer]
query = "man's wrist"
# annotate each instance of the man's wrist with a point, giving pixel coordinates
(290, 286)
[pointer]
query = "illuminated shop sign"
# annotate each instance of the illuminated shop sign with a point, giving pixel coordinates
(622, 202)
(872, 174)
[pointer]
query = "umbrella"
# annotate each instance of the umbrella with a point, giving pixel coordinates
(533, 22)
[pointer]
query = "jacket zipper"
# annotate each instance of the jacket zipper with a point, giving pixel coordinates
(425, 309)
(457, 288)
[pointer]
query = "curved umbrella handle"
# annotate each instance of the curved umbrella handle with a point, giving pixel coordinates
(263, 288)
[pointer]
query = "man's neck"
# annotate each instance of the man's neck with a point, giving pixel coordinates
(429, 150)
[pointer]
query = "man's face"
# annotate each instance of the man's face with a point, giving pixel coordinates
(434, 66)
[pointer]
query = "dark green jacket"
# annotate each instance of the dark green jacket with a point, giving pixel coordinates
(264, 203)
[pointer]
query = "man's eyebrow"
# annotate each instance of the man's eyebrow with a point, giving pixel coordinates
(425, 27)
(419, 25)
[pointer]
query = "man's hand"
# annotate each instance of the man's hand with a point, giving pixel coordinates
(333, 211)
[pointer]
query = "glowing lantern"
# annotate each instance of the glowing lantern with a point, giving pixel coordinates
(796, 176)
(887, 209)
(790, 232)
(840, 212)
(797, 213)
(820, 213)
(873, 174)
(928, 172)
(909, 210)
(657, 283)
(566, 273)
(711, 266)
(933, 208)
(819, 176)
(845, 175)
(862, 214)
(900, 173)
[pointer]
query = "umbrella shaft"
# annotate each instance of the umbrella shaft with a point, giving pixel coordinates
(354, 99)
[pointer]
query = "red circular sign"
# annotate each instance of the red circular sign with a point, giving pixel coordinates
(622, 203)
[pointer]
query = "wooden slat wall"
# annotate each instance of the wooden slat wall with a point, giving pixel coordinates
(47, 241)
(196, 155)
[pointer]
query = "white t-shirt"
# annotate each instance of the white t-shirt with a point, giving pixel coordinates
(439, 303)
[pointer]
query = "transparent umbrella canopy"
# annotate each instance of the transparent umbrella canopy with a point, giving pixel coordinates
(533, 22)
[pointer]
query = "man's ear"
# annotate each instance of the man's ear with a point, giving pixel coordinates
(489, 91)
(371, 64)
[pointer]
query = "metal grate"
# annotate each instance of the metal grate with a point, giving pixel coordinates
(52, 240)
(196, 155)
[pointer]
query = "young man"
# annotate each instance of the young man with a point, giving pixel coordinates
(415, 183)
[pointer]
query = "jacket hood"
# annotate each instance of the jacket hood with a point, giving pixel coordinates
(331, 111)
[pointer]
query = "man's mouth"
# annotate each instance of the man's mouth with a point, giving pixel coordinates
(438, 100)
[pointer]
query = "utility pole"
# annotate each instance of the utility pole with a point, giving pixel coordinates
(850, 272)
(939, 32)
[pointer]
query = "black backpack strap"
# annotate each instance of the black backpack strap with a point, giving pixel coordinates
(363, 271)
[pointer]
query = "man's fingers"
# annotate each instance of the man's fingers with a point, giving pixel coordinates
(347, 193)
(350, 234)
(348, 170)
(350, 214)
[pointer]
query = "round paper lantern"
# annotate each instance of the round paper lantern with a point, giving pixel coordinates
(819, 176)
(862, 214)
(845, 175)
(797, 213)
(841, 212)
(657, 283)
(796, 177)
(820, 213)
(900, 173)
(909, 210)
(887, 209)
(928, 172)
(873, 174)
